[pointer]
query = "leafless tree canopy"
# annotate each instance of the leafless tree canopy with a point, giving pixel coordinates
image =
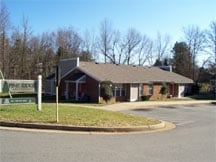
(131, 42)
(211, 36)
(105, 39)
(196, 41)
(4, 42)
(24, 55)
(161, 46)
(145, 51)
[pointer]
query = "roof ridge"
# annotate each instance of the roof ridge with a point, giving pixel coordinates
(122, 73)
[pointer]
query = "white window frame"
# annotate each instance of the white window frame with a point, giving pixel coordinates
(120, 88)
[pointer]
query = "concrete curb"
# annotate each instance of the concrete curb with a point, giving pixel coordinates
(152, 104)
(83, 128)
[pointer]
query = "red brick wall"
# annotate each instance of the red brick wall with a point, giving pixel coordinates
(156, 91)
(92, 89)
(62, 89)
(145, 89)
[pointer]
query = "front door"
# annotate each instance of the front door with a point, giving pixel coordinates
(181, 91)
(134, 92)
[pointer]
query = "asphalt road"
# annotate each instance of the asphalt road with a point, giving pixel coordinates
(193, 140)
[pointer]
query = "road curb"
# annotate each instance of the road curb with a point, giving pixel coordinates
(83, 128)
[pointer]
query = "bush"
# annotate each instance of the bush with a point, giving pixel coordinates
(106, 90)
(145, 97)
(204, 88)
(164, 89)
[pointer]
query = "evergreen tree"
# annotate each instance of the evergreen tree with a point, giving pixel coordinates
(158, 63)
(182, 61)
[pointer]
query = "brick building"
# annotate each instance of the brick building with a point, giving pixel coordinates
(81, 81)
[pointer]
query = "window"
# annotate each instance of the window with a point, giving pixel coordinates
(151, 88)
(123, 92)
(119, 90)
(140, 90)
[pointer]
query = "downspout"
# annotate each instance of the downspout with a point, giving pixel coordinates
(99, 92)
(77, 95)
(66, 92)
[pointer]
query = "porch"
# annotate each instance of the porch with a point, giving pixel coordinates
(75, 88)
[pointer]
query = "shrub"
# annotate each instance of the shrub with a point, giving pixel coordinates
(164, 89)
(204, 87)
(106, 90)
(145, 97)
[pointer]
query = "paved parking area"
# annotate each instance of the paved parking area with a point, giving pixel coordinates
(179, 115)
(193, 140)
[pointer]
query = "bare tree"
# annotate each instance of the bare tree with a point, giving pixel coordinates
(4, 26)
(117, 48)
(43, 55)
(49, 59)
(196, 41)
(25, 57)
(211, 36)
(161, 46)
(104, 40)
(131, 42)
(68, 43)
(145, 51)
(89, 44)
(15, 53)
(36, 53)
(20, 51)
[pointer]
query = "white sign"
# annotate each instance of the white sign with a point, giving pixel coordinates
(18, 86)
(22, 86)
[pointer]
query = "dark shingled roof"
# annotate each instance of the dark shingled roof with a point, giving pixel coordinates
(130, 74)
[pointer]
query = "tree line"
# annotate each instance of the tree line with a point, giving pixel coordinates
(24, 55)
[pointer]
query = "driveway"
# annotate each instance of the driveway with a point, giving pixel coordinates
(151, 104)
(193, 140)
(177, 114)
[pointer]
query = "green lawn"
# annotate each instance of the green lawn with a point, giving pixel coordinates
(71, 115)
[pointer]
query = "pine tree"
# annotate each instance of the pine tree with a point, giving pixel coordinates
(182, 61)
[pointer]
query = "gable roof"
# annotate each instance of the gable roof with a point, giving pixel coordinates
(68, 64)
(129, 73)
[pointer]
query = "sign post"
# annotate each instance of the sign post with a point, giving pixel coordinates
(58, 79)
(39, 92)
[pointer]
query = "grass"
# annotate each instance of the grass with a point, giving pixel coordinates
(71, 115)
